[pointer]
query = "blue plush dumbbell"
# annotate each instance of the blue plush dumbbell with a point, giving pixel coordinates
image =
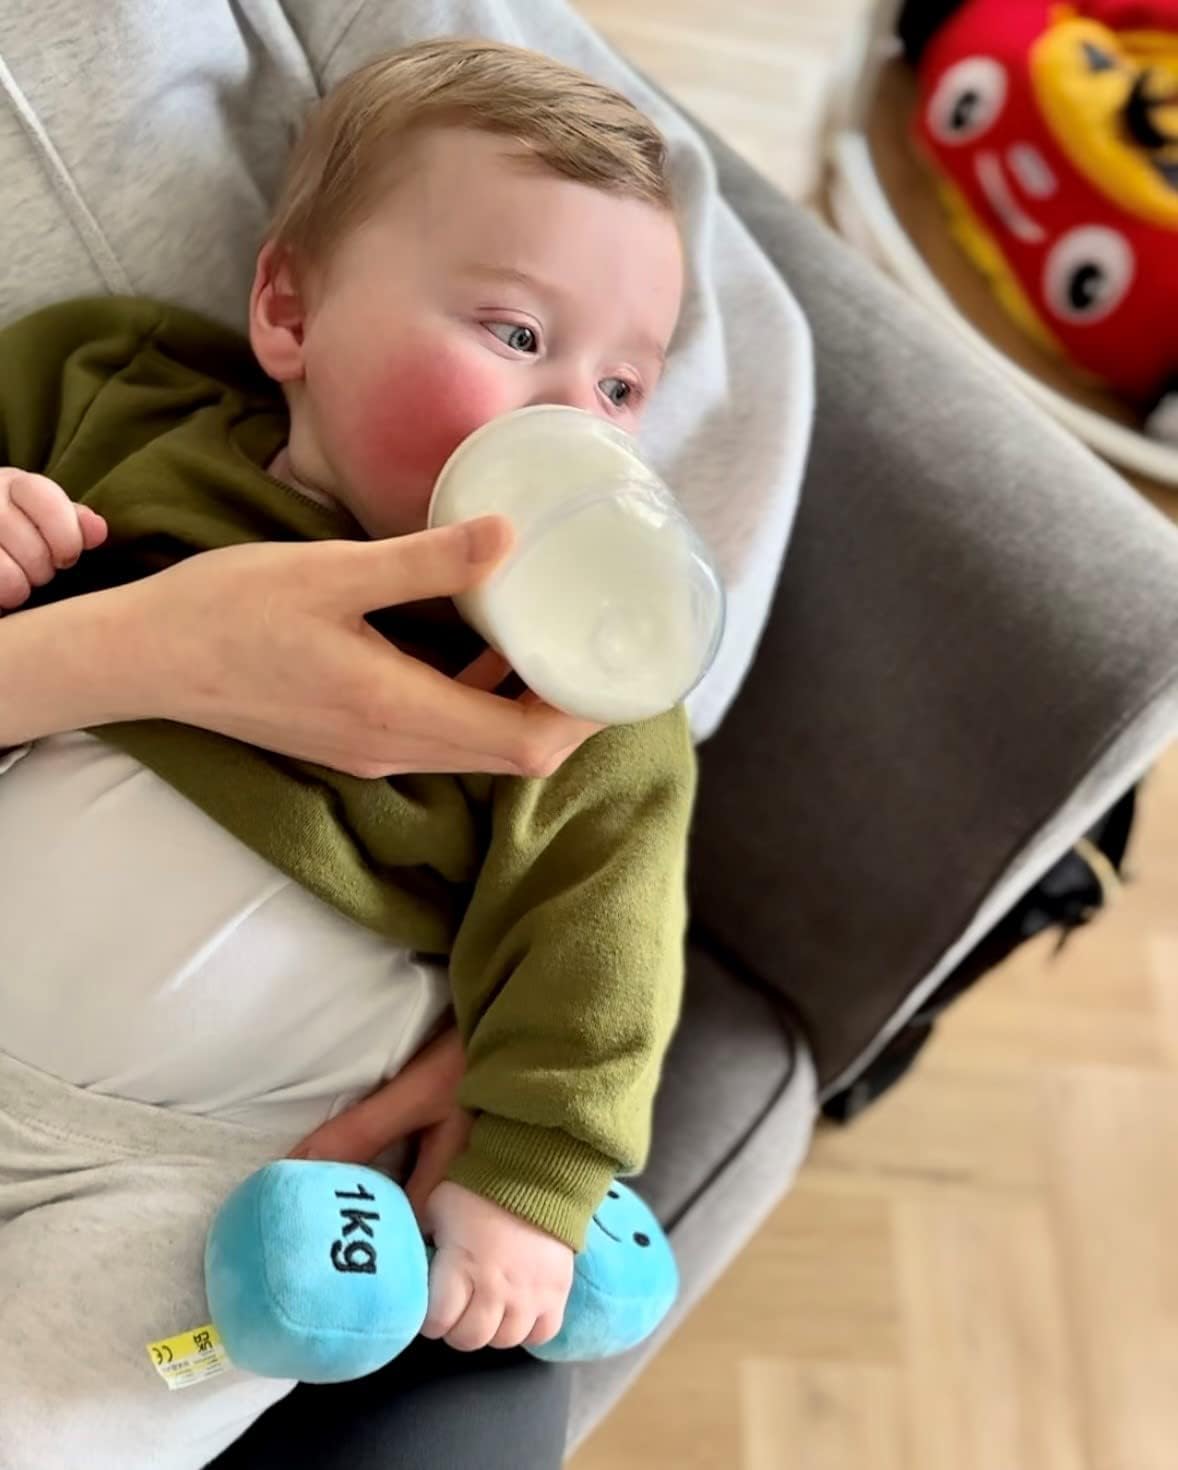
(317, 1271)
(624, 1283)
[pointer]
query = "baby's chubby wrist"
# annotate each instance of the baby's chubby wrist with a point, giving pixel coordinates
(452, 1206)
(543, 1175)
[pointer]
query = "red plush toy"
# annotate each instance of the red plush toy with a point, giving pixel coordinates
(1055, 130)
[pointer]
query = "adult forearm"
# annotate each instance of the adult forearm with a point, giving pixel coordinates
(267, 643)
(67, 666)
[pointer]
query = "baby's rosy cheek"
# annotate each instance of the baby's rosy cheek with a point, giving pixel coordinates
(412, 416)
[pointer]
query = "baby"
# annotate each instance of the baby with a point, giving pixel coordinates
(466, 229)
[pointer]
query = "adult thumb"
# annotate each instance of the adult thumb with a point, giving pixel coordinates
(437, 563)
(364, 1130)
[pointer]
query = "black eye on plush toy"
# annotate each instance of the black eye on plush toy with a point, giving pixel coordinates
(1053, 130)
(968, 100)
(1087, 273)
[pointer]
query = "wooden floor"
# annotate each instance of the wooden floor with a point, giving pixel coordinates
(755, 70)
(982, 1274)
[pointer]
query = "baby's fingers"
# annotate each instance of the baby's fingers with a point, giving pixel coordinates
(450, 1291)
(14, 585)
(52, 517)
(93, 528)
(518, 1324)
(548, 1324)
(479, 1323)
(23, 542)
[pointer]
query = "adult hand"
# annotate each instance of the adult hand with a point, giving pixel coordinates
(269, 644)
(421, 1099)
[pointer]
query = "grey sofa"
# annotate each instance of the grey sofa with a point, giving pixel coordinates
(973, 653)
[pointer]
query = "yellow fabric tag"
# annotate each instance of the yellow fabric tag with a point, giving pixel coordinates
(189, 1357)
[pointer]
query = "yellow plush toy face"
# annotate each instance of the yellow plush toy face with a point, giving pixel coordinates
(1059, 135)
(1091, 83)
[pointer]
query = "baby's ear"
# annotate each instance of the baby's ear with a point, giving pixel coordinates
(277, 315)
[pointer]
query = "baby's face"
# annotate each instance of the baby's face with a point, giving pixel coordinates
(481, 285)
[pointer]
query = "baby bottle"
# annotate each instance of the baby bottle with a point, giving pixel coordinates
(609, 605)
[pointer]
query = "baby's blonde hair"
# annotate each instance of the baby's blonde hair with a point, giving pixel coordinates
(348, 151)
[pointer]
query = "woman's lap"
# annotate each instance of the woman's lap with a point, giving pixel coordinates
(431, 1409)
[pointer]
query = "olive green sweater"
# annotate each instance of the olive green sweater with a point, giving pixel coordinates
(559, 902)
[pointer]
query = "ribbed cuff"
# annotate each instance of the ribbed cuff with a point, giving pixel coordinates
(543, 1175)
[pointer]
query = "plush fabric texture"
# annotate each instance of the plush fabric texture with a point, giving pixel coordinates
(317, 1271)
(559, 902)
(624, 1284)
(1053, 131)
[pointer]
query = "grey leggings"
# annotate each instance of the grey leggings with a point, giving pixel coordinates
(430, 1409)
(104, 1208)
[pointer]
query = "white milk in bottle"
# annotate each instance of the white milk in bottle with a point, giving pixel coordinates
(609, 605)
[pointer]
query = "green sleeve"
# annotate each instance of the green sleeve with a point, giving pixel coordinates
(53, 365)
(567, 973)
(152, 364)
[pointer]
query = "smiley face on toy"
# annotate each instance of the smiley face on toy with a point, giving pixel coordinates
(1056, 135)
(624, 1283)
(317, 1271)
(626, 1221)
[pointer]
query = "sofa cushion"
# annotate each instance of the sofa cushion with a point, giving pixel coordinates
(733, 1122)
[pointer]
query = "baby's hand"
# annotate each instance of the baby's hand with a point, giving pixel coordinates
(42, 532)
(494, 1278)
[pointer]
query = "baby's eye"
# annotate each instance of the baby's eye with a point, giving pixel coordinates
(519, 339)
(617, 390)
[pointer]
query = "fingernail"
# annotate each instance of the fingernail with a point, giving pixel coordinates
(484, 540)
